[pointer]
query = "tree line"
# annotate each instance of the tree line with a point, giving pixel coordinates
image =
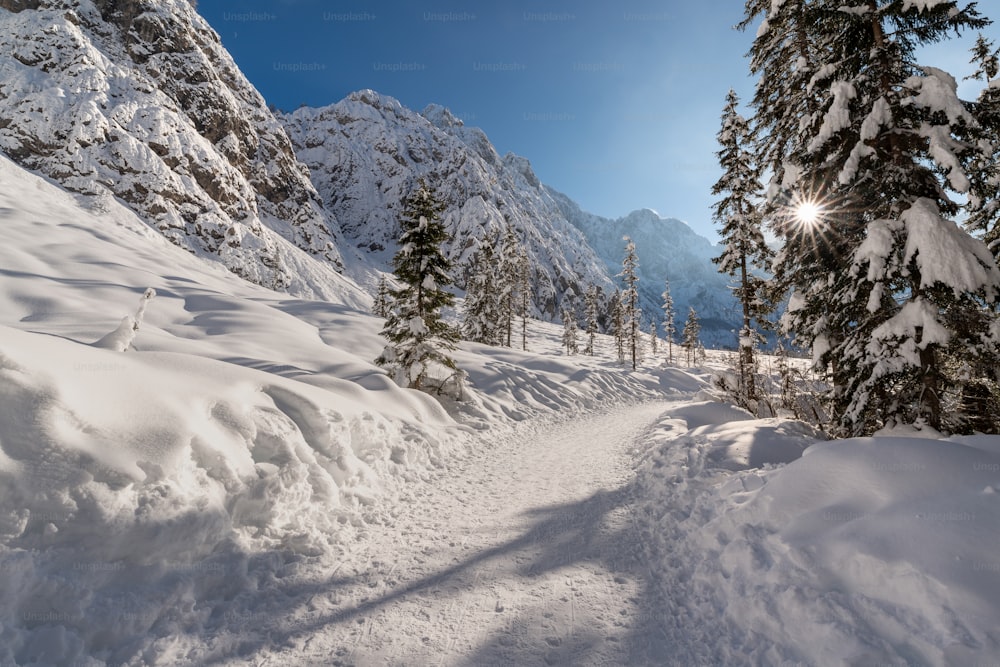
(497, 303)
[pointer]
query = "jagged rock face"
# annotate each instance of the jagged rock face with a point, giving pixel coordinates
(667, 249)
(139, 98)
(367, 152)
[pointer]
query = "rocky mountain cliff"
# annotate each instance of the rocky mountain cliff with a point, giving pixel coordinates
(139, 99)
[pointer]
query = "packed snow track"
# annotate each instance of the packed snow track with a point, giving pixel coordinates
(525, 554)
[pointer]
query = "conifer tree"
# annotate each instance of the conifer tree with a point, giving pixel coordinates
(590, 302)
(383, 298)
(569, 340)
(524, 292)
(669, 324)
(507, 275)
(481, 317)
(653, 343)
(419, 339)
(617, 324)
(631, 314)
(884, 282)
(741, 221)
(690, 336)
(984, 197)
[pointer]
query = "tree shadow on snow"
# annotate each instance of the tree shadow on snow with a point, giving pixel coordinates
(561, 622)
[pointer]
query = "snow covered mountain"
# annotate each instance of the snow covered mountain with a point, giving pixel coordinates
(667, 248)
(141, 100)
(368, 151)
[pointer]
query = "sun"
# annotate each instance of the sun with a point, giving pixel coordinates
(808, 213)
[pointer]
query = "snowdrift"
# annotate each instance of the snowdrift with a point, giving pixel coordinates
(129, 478)
(774, 548)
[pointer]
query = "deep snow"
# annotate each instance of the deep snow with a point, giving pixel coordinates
(244, 486)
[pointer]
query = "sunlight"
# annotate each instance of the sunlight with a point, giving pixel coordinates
(808, 213)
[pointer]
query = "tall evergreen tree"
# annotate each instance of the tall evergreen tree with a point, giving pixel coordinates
(616, 316)
(523, 292)
(481, 316)
(884, 281)
(690, 336)
(383, 298)
(569, 339)
(740, 220)
(508, 271)
(631, 312)
(419, 339)
(669, 324)
(984, 196)
(590, 303)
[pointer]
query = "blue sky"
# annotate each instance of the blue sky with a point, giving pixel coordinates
(615, 104)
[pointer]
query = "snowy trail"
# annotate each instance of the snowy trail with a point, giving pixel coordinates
(524, 554)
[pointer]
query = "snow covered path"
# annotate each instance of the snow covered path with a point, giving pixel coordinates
(523, 554)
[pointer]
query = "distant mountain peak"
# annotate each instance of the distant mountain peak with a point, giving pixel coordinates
(441, 117)
(375, 100)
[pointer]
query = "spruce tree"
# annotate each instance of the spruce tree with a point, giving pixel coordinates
(616, 316)
(507, 275)
(481, 312)
(419, 339)
(631, 314)
(669, 324)
(590, 302)
(653, 343)
(569, 340)
(690, 336)
(984, 196)
(740, 220)
(383, 298)
(884, 282)
(523, 292)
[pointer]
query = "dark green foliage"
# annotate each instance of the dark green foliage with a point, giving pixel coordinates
(419, 338)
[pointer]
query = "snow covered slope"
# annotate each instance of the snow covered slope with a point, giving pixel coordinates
(244, 486)
(141, 100)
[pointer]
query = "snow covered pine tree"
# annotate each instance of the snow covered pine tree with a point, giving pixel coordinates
(481, 316)
(867, 152)
(591, 304)
(741, 222)
(669, 325)
(569, 332)
(690, 336)
(383, 300)
(419, 338)
(631, 313)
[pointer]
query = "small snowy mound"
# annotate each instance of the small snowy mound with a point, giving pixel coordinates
(868, 551)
